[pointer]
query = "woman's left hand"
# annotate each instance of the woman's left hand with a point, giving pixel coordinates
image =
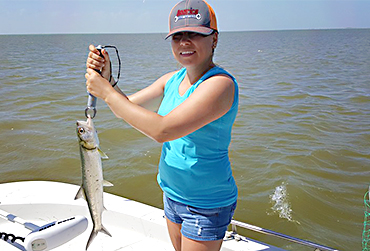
(97, 85)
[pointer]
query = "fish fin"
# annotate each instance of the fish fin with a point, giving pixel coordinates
(104, 230)
(102, 154)
(92, 236)
(107, 183)
(80, 193)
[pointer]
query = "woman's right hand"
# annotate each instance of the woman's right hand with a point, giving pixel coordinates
(96, 62)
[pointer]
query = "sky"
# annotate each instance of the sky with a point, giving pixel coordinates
(151, 16)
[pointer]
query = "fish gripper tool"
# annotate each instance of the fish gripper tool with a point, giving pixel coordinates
(90, 110)
(91, 101)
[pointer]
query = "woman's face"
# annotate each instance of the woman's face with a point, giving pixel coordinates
(192, 49)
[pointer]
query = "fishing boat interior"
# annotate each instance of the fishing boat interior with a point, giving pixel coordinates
(53, 220)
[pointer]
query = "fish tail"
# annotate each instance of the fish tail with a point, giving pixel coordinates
(104, 230)
(92, 236)
(94, 233)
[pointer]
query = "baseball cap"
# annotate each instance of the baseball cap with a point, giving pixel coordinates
(192, 16)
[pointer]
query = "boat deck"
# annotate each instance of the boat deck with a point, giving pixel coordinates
(133, 225)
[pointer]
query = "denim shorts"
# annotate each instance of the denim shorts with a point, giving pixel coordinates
(197, 223)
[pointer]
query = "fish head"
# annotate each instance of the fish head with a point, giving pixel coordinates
(87, 134)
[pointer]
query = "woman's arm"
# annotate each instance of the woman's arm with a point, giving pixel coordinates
(211, 100)
(149, 97)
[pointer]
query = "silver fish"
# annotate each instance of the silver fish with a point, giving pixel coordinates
(92, 175)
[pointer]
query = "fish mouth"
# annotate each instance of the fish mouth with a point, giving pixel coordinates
(86, 134)
(89, 121)
(81, 123)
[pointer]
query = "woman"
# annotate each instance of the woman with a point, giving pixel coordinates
(198, 107)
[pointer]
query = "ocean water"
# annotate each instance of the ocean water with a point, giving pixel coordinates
(300, 149)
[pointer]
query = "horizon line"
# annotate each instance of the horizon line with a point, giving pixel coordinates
(141, 33)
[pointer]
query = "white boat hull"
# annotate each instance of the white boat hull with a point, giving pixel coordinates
(133, 225)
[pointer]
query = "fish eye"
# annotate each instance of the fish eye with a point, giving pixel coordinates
(81, 130)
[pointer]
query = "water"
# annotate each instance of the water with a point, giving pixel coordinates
(300, 149)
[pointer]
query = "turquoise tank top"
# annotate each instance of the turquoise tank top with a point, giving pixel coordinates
(195, 169)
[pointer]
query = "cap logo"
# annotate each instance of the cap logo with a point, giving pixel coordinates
(187, 13)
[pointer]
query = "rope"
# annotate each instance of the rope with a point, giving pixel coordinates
(10, 237)
(366, 232)
(119, 63)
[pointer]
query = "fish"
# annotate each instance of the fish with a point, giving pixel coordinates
(92, 175)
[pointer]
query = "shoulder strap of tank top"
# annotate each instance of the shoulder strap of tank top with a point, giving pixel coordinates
(215, 71)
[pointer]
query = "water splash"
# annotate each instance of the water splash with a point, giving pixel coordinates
(281, 203)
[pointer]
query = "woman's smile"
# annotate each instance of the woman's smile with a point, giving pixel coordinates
(187, 53)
